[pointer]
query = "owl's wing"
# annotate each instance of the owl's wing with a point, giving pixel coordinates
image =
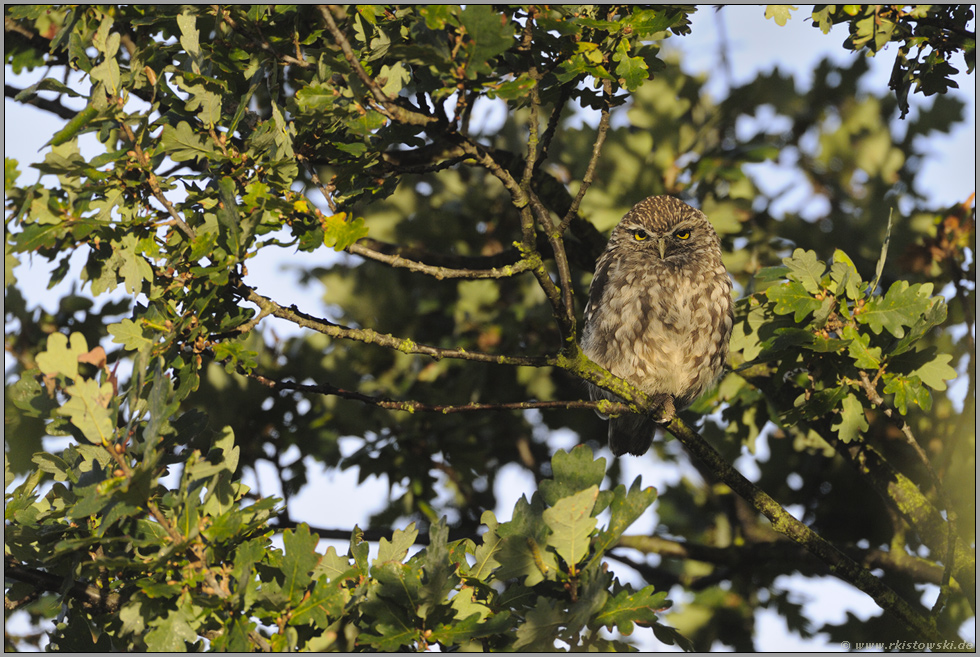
(599, 280)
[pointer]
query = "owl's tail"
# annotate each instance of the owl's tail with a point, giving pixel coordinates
(631, 434)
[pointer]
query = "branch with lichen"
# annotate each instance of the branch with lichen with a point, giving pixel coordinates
(898, 492)
(871, 392)
(784, 523)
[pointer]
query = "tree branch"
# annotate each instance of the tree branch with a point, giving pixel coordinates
(52, 106)
(842, 565)
(370, 336)
(385, 104)
(394, 260)
(603, 405)
(600, 139)
(766, 554)
(90, 596)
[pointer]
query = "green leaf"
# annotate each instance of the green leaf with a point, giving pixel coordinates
(207, 104)
(88, 409)
(397, 548)
(903, 305)
(632, 71)
(626, 608)
(853, 422)
(572, 523)
(489, 37)
(845, 276)
(805, 268)
(130, 334)
(793, 298)
(170, 632)
(190, 39)
(907, 390)
(880, 267)
(780, 13)
(936, 372)
(60, 357)
(324, 604)
(484, 555)
(75, 126)
(181, 143)
(332, 565)
(299, 560)
(316, 97)
(865, 356)
(624, 508)
(540, 627)
(439, 573)
(935, 316)
(572, 472)
(522, 552)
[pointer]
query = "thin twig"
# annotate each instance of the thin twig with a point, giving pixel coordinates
(52, 106)
(316, 181)
(370, 336)
(384, 103)
(439, 273)
(600, 139)
(154, 184)
(411, 406)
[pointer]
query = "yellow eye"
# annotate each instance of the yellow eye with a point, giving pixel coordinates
(682, 234)
(639, 235)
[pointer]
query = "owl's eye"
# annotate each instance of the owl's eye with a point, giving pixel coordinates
(639, 234)
(682, 234)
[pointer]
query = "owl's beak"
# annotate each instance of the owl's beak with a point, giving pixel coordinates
(662, 247)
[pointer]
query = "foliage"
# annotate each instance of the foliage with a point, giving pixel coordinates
(928, 37)
(453, 255)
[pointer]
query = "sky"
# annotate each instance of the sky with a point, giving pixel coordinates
(754, 45)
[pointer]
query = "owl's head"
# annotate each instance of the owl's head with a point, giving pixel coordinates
(663, 227)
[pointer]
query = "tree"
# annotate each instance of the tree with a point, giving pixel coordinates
(455, 262)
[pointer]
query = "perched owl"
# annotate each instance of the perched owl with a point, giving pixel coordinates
(659, 313)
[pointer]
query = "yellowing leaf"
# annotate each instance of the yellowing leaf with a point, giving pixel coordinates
(339, 233)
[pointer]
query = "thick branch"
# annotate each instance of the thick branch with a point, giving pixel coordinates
(769, 554)
(842, 565)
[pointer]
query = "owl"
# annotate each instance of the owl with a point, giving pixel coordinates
(659, 313)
